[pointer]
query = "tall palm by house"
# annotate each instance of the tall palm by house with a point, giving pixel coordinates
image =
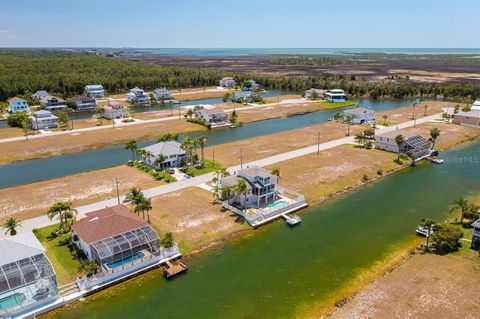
(134, 196)
(187, 146)
(201, 141)
(399, 140)
(132, 146)
(10, 225)
(463, 204)
(145, 205)
(241, 188)
(434, 134)
(66, 214)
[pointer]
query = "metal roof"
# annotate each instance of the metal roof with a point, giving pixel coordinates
(19, 247)
(165, 148)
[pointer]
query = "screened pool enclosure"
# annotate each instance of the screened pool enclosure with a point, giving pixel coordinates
(141, 242)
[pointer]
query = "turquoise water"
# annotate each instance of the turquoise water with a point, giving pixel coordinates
(57, 166)
(281, 272)
(277, 203)
(11, 301)
(125, 261)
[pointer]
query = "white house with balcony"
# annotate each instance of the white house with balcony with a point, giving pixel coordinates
(227, 82)
(53, 103)
(43, 119)
(137, 96)
(95, 90)
(115, 110)
(162, 95)
(163, 155)
(336, 96)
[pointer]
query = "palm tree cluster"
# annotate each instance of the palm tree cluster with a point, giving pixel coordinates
(141, 203)
(65, 214)
(365, 139)
(190, 145)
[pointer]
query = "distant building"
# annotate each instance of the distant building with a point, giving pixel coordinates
(27, 278)
(476, 106)
(162, 94)
(252, 86)
(85, 103)
(476, 235)
(43, 119)
(227, 82)
(413, 144)
(95, 90)
(171, 152)
(53, 103)
(16, 104)
(137, 96)
(39, 95)
(115, 110)
(314, 93)
(470, 118)
(336, 96)
(243, 97)
(360, 115)
(213, 117)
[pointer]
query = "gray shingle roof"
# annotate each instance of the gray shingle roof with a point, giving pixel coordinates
(165, 148)
(254, 171)
(357, 111)
(19, 247)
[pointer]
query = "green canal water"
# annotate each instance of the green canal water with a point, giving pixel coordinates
(279, 272)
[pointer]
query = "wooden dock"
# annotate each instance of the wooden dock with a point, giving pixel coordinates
(171, 269)
(292, 220)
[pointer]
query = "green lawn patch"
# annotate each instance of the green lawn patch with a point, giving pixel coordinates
(207, 168)
(65, 265)
(332, 105)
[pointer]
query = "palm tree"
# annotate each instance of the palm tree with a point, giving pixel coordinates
(167, 240)
(385, 117)
(167, 137)
(399, 140)
(241, 188)
(189, 113)
(159, 160)
(460, 203)
(145, 205)
(134, 196)
(276, 171)
(132, 146)
(425, 108)
(187, 146)
(202, 140)
(427, 223)
(10, 224)
(434, 134)
(413, 159)
(66, 214)
(348, 119)
(100, 111)
(360, 138)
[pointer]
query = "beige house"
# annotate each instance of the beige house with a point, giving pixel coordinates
(413, 144)
(115, 110)
(471, 118)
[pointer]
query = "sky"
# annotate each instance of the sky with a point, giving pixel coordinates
(240, 24)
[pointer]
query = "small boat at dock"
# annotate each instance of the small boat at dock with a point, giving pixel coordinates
(435, 160)
(423, 231)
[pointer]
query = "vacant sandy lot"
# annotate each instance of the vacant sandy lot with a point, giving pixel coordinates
(193, 219)
(267, 145)
(404, 114)
(199, 95)
(426, 286)
(34, 199)
(341, 168)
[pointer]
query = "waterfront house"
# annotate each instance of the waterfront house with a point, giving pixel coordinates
(413, 144)
(137, 96)
(115, 110)
(470, 118)
(43, 119)
(95, 90)
(84, 103)
(27, 278)
(162, 95)
(39, 95)
(214, 117)
(163, 155)
(314, 94)
(53, 103)
(336, 96)
(120, 242)
(227, 82)
(263, 200)
(476, 235)
(251, 86)
(16, 104)
(476, 106)
(243, 97)
(360, 115)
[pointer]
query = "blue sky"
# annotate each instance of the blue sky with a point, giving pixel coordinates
(246, 23)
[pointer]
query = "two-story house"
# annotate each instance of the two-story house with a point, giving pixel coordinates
(16, 104)
(251, 85)
(137, 96)
(360, 115)
(227, 82)
(162, 95)
(53, 103)
(39, 95)
(336, 96)
(243, 97)
(85, 103)
(213, 117)
(163, 155)
(95, 90)
(43, 120)
(412, 143)
(115, 110)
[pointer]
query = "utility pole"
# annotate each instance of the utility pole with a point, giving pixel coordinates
(213, 156)
(118, 192)
(241, 159)
(179, 114)
(318, 144)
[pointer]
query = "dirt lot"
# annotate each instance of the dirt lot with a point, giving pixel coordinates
(31, 200)
(193, 219)
(404, 114)
(199, 95)
(272, 144)
(426, 286)
(335, 170)
(280, 110)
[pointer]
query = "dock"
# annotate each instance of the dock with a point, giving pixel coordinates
(435, 160)
(292, 220)
(171, 269)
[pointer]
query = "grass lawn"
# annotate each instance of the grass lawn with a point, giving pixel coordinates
(465, 249)
(64, 264)
(332, 105)
(209, 167)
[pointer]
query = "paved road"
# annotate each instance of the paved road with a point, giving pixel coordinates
(42, 221)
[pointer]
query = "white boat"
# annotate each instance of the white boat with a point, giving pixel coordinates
(423, 231)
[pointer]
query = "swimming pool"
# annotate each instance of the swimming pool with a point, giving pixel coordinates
(11, 301)
(125, 261)
(277, 203)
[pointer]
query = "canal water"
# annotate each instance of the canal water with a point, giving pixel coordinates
(57, 166)
(281, 272)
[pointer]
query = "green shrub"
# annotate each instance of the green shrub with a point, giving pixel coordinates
(16, 119)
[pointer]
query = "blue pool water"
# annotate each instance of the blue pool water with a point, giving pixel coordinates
(277, 203)
(11, 301)
(125, 261)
